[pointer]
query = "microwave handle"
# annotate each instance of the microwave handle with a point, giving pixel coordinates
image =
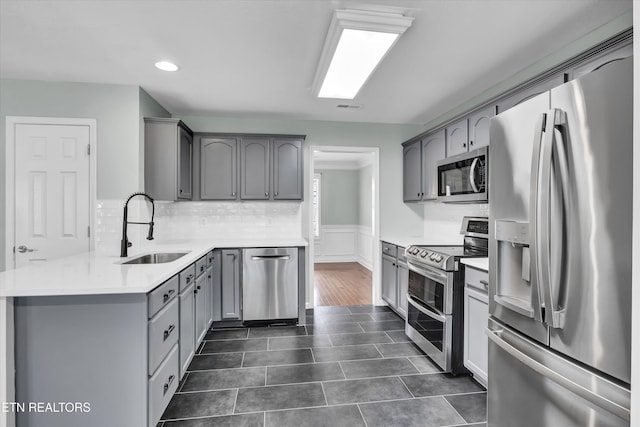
(472, 175)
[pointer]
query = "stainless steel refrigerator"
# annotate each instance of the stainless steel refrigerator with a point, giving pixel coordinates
(560, 212)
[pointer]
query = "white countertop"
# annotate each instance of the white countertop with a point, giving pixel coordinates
(479, 263)
(404, 241)
(91, 273)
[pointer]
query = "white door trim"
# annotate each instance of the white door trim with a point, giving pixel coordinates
(11, 123)
(376, 287)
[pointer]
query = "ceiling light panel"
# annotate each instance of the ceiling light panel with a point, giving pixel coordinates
(356, 43)
(166, 66)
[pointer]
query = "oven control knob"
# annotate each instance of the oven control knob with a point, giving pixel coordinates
(439, 258)
(423, 254)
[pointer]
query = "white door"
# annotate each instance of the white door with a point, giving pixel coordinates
(52, 191)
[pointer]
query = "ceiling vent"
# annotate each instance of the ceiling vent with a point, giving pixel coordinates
(349, 106)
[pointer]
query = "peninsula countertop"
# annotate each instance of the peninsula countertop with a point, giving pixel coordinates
(93, 273)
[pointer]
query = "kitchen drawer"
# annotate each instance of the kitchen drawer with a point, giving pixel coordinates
(401, 257)
(201, 266)
(389, 249)
(162, 295)
(163, 334)
(210, 258)
(162, 385)
(187, 277)
(475, 278)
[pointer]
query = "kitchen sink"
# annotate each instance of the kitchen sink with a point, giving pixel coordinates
(156, 258)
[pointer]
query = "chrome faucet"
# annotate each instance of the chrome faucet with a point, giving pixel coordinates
(125, 243)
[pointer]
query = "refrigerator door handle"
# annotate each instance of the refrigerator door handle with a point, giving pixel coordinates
(472, 175)
(533, 215)
(594, 398)
(543, 237)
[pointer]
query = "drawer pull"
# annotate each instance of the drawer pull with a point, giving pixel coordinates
(168, 383)
(201, 268)
(168, 295)
(168, 331)
(485, 284)
(189, 277)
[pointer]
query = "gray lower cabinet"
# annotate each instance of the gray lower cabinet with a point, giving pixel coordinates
(395, 278)
(118, 353)
(211, 258)
(216, 285)
(200, 293)
(403, 288)
(389, 280)
(476, 312)
(187, 327)
(231, 292)
(218, 168)
(168, 154)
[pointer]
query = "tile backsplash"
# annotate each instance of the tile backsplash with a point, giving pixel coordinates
(442, 221)
(175, 221)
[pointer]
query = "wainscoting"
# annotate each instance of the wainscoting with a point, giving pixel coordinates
(344, 243)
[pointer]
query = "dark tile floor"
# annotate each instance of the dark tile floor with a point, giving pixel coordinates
(350, 366)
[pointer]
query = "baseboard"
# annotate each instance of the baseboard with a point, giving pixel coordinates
(334, 258)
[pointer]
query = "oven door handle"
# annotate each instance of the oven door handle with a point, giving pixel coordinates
(433, 313)
(440, 278)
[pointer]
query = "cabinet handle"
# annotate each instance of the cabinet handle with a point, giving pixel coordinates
(181, 191)
(201, 268)
(464, 144)
(209, 277)
(266, 194)
(168, 383)
(166, 296)
(276, 194)
(233, 194)
(485, 284)
(189, 277)
(470, 142)
(198, 287)
(168, 331)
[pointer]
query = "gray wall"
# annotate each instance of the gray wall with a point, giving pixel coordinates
(339, 197)
(396, 217)
(364, 196)
(116, 109)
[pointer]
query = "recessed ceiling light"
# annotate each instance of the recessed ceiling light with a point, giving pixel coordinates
(356, 43)
(167, 66)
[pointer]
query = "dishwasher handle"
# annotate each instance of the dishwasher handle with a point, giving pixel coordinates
(270, 257)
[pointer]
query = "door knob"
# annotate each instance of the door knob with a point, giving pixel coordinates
(22, 249)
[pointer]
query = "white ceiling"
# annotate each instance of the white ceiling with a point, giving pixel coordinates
(258, 57)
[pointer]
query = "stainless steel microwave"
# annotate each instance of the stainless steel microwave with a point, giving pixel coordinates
(464, 178)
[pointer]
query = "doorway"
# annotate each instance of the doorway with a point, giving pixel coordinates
(344, 226)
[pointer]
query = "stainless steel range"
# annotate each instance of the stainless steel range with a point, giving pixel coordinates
(436, 290)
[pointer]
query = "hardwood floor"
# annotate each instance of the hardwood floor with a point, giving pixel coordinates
(344, 283)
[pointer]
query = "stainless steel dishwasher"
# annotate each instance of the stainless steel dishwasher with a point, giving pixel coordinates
(269, 283)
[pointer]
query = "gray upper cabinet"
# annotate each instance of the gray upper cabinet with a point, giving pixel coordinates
(601, 60)
(479, 126)
(433, 149)
(412, 172)
(218, 168)
(254, 169)
(530, 91)
(287, 169)
(419, 160)
(271, 168)
(168, 155)
(231, 284)
(457, 138)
